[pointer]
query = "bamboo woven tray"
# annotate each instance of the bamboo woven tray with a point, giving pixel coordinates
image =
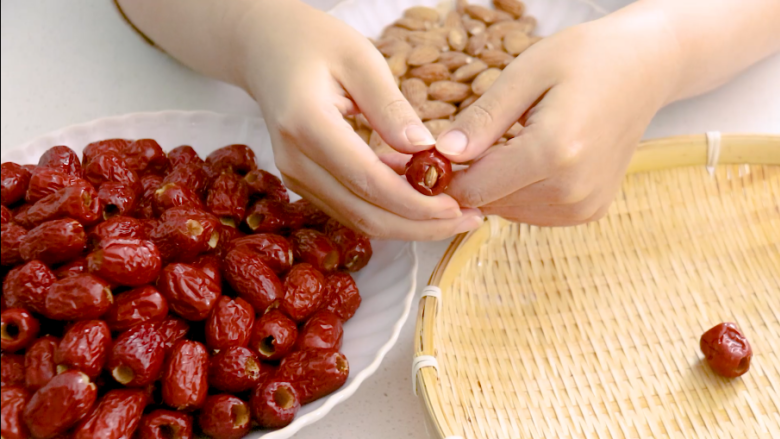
(593, 331)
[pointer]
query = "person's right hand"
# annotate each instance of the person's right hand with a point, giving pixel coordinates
(308, 70)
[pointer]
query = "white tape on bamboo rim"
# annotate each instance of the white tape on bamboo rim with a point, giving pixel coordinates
(432, 291)
(713, 150)
(420, 362)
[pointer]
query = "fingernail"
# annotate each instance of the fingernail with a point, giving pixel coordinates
(418, 135)
(469, 224)
(452, 143)
(453, 212)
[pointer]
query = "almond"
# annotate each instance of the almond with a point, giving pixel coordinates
(396, 32)
(535, 40)
(469, 71)
(516, 42)
(514, 7)
(428, 38)
(484, 80)
(391, 46)
(351, 121)
(473, 27)
(422, 13)
(476, 44)
(435, 110)
(415, 91)
(437, 126)
(458, 38)
(449, 91)
(412, 23)
(514, 130)
(504, 27)
(460, 6)
(503, 16)
(528, 23)
(364, 134)
(431, 72)
(453, 21)
(454, 60)
(468, 101)
(397, 64)
(422, 55)
(481, 13)
(493, 42)
(496, 58)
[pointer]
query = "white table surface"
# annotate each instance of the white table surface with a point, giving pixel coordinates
(66, 62)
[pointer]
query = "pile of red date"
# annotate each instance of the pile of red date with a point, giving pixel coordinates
(154, 295)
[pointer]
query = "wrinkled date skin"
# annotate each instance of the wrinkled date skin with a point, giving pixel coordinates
(165, 424)
(354, 247)
(12, 370)
(726, 350)
(273, 335)
(190, 292)
(254, 281)
(229, 324)
(61, 158)
(233, 158)
(84, 347)
(342, 296)
(111, 166)
(27, 286)
(60, 404)
(310, 216)
(46, 181)
(184, 232)
(79, 202)
(149, 185)
(5, 215)
(275, 404)
(211, 265)
(269, 216)
(116, 228)
(303, 292)
(18, 329)
(109, 145)
(171, 195)
(172, 329)
(429, 172)
(12, 400)
(116, 416)
(226, 235)
(183, 155)
(13, 183)
(140, 305)
(275, 250)
(227, 199)
(12, 238)
(71, 269)
(137, 356)
(185, 379)
(225, 416)
(126, 262)
(237, 369)
(54, 242)
(81, 297)
(116, 199)
(314, 373)
(263, 184)
(192, 176)
(322, 331)
(145, 156)
(39, 364)
(315, 248)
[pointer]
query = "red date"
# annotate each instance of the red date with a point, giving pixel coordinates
(110, 166)
(315, 248)
(145, 156)
(354, 247)
(96, 148)
(12, 370)
(5, 215)
(13, 184)
(61, 158)
(60, 404)
(322, 331)
(233, 158)
(116, 416)
(116, 199)
(185, 379)
(237, 369)
(252, 279)
(189, 291)
(165, 424)
(183, 155)
(268, 216)
(229, 324)
(185, 233)
(27, 286)
(227, 234)
(79, 202)
(18, 329)
(149, 185)
(84, 346)
(141, 305)
(54, 242)
(275, 404)
(192, 176)
(172, 329)
(274, 250)
(39, 364)
(82, 297)
(126, 262)
(342, 296)
(71, 269)
(211, 265)
(726, 350)
(314, 373)
(273, 335)
(171, 195)
(303, 292)
(116, 228)
(13, 399)
(429, 172)
(12, 237)
(46, 181)
(263, 184)
(225, 417)
(227, 199)
(310, 215)
(137, 356)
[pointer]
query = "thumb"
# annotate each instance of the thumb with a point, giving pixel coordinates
(369, 82)
(478, 127)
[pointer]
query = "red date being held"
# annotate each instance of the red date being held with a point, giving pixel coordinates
(726, 350)
(429, 172)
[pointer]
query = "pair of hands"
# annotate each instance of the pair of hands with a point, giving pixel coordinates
(585, 96)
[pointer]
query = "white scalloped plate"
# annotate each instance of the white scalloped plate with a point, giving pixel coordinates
(387, 284)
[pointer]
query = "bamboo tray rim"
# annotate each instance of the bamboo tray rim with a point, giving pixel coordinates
(710, 149)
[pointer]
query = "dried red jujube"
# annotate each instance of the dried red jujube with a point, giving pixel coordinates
(429, 172)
